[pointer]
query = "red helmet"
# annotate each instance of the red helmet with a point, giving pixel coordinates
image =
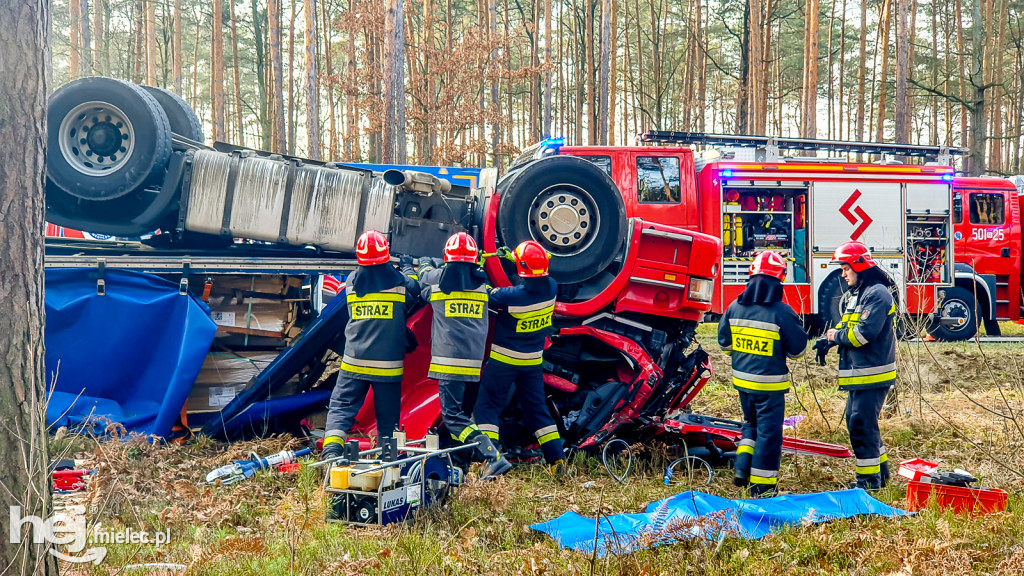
(461, 247)
(372, 248)
(855, 254)
(770, 264)
(531, 260)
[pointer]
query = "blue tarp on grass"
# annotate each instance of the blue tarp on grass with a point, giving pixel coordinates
(129, 356)
(695, 514)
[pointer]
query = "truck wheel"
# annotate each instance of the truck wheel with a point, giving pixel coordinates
(960, 305)
(180, 115)
(830, 296)
(571, 207)
(107, 138)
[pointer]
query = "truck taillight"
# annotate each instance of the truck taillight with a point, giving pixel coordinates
(701, 289)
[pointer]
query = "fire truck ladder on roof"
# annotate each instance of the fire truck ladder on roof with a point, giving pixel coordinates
(771, 145)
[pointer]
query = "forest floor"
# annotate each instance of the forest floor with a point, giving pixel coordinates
(961, 405)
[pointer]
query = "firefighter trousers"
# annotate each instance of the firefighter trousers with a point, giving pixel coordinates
(457, 401)
(499, 385)
(760, 451)
(348, 397)
(862, 410)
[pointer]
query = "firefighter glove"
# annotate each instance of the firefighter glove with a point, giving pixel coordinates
(821, 348)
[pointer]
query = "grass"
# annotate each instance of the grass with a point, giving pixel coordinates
(956, 403)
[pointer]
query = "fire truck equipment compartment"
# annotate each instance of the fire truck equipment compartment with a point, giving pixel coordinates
(666, 521)
(129, 355)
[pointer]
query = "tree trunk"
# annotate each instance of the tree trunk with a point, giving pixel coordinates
(279, 144)
(217, 70)
(809, 120)
(962, 74)
(902, 72)
(150, 42)
(743, 86)
(862, 72)
(236, 76)
(588, 46)
(842, 73)
(99, 13)
(602, 106)
(393, 149)
(86, 28)
(24, 31)
(334, 151)
(176, 72)
(701, 68)
(613, 73)
(883, 69)
(755, 75)
(548, 67)
(291, 82)
(75, 38)
(312, 88)
(976, 142)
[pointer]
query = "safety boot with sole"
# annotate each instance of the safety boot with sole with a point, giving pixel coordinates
(494, 463)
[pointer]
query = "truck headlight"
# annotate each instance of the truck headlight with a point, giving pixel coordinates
(701, 289)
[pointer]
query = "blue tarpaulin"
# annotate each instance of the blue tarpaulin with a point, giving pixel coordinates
(695, 514)
(129, 356)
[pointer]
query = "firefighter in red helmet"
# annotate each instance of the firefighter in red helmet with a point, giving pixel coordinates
(760, 331)
(867, 357)
(457, 293)
(524, 318)
(377, 299)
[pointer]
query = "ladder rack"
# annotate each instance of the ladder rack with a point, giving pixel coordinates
(771, 144)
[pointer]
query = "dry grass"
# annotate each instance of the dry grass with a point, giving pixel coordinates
(955, 403)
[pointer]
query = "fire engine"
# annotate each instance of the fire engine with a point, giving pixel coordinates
(803, 207)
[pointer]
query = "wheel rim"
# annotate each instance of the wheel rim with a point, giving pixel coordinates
(96, 138)
(956, 309)
(564, 219)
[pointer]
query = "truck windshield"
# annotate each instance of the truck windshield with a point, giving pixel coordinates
(602, 162)
(657, 178)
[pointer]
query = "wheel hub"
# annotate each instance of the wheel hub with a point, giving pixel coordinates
(563, 220)
(957, 312)
(96, 138)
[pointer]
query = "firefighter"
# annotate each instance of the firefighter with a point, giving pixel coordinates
(457, 293)
(378, 299)
(867, 357)
(759, 331)
(524, 316)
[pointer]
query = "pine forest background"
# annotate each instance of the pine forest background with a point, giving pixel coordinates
(471, 82)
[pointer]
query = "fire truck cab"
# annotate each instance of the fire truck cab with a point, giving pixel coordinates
(803, 207)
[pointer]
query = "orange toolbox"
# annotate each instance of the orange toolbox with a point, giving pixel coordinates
(973, 501)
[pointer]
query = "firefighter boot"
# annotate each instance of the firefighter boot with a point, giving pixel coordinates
(494, 463)
(763, 490)
(884, 467)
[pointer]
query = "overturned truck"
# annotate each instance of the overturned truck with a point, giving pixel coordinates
(127, 160)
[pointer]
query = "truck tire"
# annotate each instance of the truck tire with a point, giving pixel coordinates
(181, 117)
(830, 296)
(107, 138)
(956, 303)
(571, 207)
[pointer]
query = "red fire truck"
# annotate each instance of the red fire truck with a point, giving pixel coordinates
(803, 207)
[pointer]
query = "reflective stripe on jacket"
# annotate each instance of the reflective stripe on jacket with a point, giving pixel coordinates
(759, 338)
(524, 319)
(866, 339)
(458, 334)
